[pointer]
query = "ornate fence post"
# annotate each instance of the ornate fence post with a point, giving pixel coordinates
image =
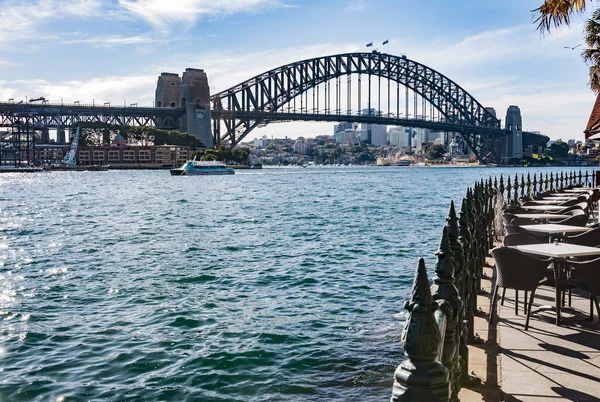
(460, 267)
(529, 184)
(421, 377)
(522, 185)
(491, 214)
(570, 178)
(516, 192)
(580, 178)
(562, 180)
(587, 178)
(551, 181)
(465, 240)
(546, 183)
(445, 294)
(541, 188)
(508, 189)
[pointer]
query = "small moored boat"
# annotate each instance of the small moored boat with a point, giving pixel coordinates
(195, 168)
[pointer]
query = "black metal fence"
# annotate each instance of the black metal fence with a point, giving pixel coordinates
(440, 323)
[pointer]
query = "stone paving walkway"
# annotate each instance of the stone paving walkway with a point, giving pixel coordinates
(545, 363)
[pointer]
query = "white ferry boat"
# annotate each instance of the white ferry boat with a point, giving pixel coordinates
(195, 168)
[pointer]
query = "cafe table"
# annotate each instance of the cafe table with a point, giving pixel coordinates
(554, 228)
(544, 207)
(544, 217)
(557, 251)
(547, 202)
(577, 190)
(560, 196)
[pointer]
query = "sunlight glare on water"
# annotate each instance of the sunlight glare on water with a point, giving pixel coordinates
(280, 284)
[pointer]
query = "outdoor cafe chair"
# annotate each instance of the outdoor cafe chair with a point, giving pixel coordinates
(573, 202)
(584, 205)
(519, 271)
(523, 221)
(524, 200)
(590, 238)
(577, 220)
(518, 210)
(575, 212)
(516, 229)
(516, 239)
(540, 196)
(567, 209)
(507, 218)
(585, 275)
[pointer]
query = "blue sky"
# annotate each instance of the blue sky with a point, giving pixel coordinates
(113, 50)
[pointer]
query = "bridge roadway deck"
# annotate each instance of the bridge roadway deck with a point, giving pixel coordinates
(116, 114)
(65, 115)
(391, 120)
(544, 363)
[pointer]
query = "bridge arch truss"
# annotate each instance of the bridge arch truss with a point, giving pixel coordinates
(316, 86)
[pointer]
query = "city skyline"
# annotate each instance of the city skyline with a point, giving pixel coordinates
(113, 51)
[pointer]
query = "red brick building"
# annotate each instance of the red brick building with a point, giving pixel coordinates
(136, 156)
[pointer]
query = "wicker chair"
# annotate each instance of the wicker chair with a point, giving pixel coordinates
(575, 212)
(523, 221)
(507, 218)
(510, 264)
(567, 209)
(515, 229)
(590, 238)
(569, 203)
(518, 210)
(586, 276)
(516, 239)
(577, 220)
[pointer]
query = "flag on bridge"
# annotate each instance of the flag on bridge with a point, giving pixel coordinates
(385, 42)
(369, 44)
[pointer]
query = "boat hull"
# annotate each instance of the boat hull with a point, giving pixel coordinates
(183, 172)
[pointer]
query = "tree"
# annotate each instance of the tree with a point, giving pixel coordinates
(556, 13)
(434, 151)
(591, 55)
(365, 157)
(559, 150)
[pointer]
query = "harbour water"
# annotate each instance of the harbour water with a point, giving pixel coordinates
(279, 284)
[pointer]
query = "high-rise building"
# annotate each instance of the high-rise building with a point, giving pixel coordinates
(351, 137)
(343, 126)
(300, 146)
(376, 133)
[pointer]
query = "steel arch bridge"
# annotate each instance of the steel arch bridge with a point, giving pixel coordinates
(276, 94)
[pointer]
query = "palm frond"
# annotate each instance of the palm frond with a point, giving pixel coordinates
(556, 13)
(594, 74)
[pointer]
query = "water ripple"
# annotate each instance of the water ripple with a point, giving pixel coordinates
(267, 285)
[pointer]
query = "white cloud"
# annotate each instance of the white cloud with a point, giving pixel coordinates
(556, 104)
(356, 5)
(512, 45)
(20, 19)
(161, 13)
(109, 41)
(114, 89)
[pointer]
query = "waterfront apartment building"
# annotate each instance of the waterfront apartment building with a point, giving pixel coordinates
(134, 156)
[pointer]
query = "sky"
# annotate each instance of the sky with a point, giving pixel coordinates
(114, 50)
